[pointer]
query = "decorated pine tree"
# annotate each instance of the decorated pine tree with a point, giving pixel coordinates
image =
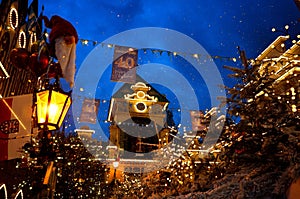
(260, 144)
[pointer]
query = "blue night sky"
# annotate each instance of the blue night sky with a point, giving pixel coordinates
(218, 26)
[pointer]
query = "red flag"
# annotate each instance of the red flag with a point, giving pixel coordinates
(15, 125)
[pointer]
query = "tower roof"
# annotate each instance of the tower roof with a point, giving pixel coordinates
(126, 89)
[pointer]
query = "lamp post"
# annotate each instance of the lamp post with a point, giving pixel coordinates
(115, 165)
(51, 104)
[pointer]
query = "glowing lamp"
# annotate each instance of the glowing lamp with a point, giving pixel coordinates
(52, 105)
(116, 164)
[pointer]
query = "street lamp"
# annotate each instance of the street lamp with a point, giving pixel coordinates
(51, 104)
(115, 165)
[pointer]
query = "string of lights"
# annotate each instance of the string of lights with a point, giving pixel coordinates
(86, 42)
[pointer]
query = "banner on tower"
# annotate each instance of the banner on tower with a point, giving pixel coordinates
(89, 110)
(124, 64)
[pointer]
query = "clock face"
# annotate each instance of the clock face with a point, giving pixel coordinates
(141, 106)
(4, 45)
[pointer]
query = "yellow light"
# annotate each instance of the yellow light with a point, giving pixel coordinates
(140, 94)
(293, 91)
(13, 18)
(22, 39)
(294, 108)
(20, 193)
(116, 164)
(52, 106)
(5, 190)
(32, 38)
(286, 27)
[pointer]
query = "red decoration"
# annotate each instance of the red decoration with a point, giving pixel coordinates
(38, 64)
(239, 151)
(43, 61)
(19, 57)
(33, 61)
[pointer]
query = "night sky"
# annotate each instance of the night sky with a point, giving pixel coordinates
(218, 26)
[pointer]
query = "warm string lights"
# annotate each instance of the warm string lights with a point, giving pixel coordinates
(22, 39)
(3, 187)
(285, 31)
(181, 173)
(33, 38)
(18, 195)
(186, 167)
(86, 42)
(13, 18)
(5, 73)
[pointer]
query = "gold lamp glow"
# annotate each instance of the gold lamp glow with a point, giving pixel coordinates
(52, 106)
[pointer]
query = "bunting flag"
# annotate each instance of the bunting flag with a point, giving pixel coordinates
(197, 119)
(124, 64)
(32, 14)
(89, 110)
(86, 42)
(15, 125)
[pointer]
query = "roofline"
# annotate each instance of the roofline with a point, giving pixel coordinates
(273, 45)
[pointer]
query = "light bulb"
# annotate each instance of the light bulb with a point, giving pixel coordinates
(286, 27)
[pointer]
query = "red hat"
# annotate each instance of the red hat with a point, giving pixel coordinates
(59, 27)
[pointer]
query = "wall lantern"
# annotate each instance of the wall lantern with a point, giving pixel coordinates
(52, 105)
